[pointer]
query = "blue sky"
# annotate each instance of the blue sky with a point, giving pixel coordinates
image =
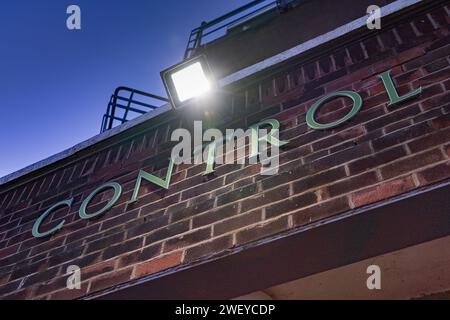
(55, 83)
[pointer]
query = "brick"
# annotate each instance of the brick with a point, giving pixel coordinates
(325, 79)
(357, 151)
(147, 225)
(382, 191)
(320, 211)
(158, 264)
(434, 174)
(433, 78)
(104, 242)
(237, 222)
(281, 84)
(332, 106)
(215, 215)
(202, 188)
(297, 172)
(4, 278)
(441, 122)
(122, 248)
(431, 140)
(356, 52)
(18, 295)
(47, 246)
(9, 251)
(267, 90)
(262, 231)
(427, 115)
(407, 77)
(252, 97)
(317, 180)
(406, 32)
(187, 239)
(167, 232)
(341, 58)
(305, 96)
(393, 117)
(58, 177)
(310, 71)
(429, 57)
(87, 260)
(265, 198)
(325, 64)
(70, 294)
(245, 172)
(109, 280)
(436, 101)
(339, 137)
(436, 65)
(372, 46)
(155, 206)
(290, 204)
(140, 255)
(439, 16)
(41, 277)
(255, 118)
(423, 24)
(353, 183)
(80, 231)
(411, 163)
(213, 247)
(376, 160)
(98, 269)
(400, 136)
(9, 287)
(119, 220)
(65, 256)
(57, 284)
(191, 211)
(397, 126)
(236, 195)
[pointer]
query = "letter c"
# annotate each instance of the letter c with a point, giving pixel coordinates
(39, 221)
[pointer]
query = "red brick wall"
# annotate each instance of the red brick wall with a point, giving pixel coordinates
(382, 152)
(241, 49)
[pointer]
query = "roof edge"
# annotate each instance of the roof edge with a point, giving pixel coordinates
(228, 80)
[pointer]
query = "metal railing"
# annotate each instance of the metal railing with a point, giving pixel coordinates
(125, 102)
(209, 29)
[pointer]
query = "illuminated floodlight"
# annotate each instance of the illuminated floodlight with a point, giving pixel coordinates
(188, 80)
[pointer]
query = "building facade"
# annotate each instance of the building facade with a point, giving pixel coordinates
(373, 191)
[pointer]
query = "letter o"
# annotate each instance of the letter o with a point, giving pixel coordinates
(117, 192)
(38, 222)
(357, 104)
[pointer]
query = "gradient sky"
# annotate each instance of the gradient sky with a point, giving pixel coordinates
(55, 83)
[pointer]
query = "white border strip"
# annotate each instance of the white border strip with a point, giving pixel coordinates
(260, 66)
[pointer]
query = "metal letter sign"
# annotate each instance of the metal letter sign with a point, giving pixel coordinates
(357, 104)
(117, 192)
(254, 152)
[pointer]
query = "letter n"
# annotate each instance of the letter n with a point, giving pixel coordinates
(153, 179)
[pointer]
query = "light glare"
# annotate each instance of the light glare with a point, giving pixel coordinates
(190, 82)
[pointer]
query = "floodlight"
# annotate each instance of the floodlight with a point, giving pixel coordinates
(188, 80)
